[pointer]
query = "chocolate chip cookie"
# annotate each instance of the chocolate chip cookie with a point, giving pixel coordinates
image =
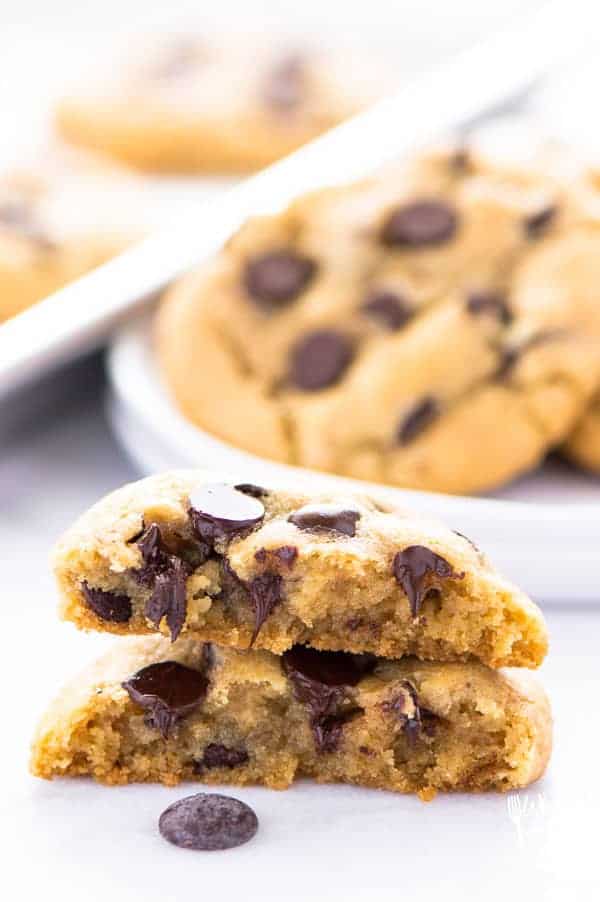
(245, 565)
(59, 223)
(406, 330)
(155, 711)
(187, 105)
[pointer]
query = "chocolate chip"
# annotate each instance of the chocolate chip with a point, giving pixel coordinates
(285, 84)
(405, 707)
(220, 512)
(255, 491)
(412, 567)
(326, 518)
(107, 605)
(169, 599)
(490, 302)
(277, 278)
(423, 223)
(168, 692)
(537, 223)
(418, 419)
(320, 680)
(320, 359)
(216, 755)
(208, 822)
(459, 161)
(285, 555)
(265, 593)
(389, 310)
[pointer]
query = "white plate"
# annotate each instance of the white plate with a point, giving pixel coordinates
(542, 531)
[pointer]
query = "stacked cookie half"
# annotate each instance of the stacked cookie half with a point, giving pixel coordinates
(276, 635)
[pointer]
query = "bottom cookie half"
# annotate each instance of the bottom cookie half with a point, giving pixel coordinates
(155, 711)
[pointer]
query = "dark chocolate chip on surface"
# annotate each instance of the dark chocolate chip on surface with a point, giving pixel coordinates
(285, 84)
(320, 680)
(419, 418)
(220, 512)
(326, 518)
(413, 566)
(320, 359)
(208, 822)
(265, 593)
(537, 223)
(168, 691)
(423, 223)
(216, 755)
(284, 556)
(387, 309)
(489, 302)
(110, 606)
(277, 278)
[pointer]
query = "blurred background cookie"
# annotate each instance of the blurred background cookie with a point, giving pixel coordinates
(435, 328)
(188, 105)
(59, 218)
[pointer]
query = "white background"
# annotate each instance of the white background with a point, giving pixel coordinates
(73, 841)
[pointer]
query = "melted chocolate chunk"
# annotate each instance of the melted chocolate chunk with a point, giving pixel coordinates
(320, 359)
(277, 278)
(490, 302)
(265, 592)
(326, 518)
(220, 512)
(387, 309)
(412, 567)
(285, 84)
(405, 706)
(459, 161)
(255, 491)
(107, 605)
(208, 822)
(165, 571)
(424, 223)
(216, 755)
(537, 223)
(319, 680)
(417, 420)
(285, 555)
(168, 692)
(168, 598)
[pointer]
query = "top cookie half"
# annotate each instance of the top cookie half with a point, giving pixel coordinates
(436, 328)
(242, 565)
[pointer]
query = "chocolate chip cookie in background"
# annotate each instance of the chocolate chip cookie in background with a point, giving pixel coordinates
(244, 565)
(407, 726)
(403, 330)
(188, 105)
(58, 220)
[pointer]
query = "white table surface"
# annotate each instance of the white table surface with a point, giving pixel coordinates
(75, 841)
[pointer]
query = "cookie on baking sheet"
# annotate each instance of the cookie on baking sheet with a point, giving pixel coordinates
(58, 221)
(404, 330)
(152, 711)
(245, 565)
(187, 105)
